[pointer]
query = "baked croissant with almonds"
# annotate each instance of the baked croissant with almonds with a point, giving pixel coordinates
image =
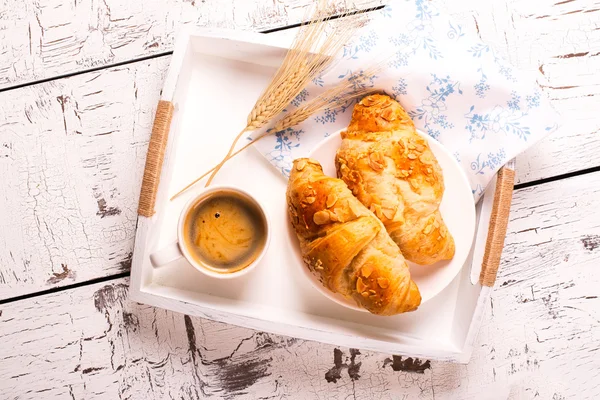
(392, 171)
(345, 246)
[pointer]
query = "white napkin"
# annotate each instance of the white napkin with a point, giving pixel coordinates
(451, 83)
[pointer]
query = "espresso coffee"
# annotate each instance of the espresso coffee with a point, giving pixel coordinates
(225, 231)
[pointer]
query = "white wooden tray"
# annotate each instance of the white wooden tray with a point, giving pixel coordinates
(214, 79)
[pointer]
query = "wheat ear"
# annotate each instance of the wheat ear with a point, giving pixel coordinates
(331, 99)
(309, 56)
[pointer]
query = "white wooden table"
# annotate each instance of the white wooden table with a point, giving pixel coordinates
(79, 83)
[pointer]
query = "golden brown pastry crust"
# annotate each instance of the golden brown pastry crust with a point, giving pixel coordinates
(345, 245)
(392, 171)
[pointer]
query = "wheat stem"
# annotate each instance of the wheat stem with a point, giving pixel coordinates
(224, 160)
(331, 99)
(288, 121)
(309, 56)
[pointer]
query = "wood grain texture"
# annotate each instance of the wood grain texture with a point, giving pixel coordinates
(539, 338)
(72, 153)
(41, 40)
(72, 156)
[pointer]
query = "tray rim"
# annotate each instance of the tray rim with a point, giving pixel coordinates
(137, 292)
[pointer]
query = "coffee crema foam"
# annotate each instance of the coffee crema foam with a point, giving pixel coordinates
(225, 232)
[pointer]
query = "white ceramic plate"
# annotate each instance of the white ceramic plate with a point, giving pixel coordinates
(457, 208)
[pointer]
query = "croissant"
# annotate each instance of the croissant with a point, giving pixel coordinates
(345, 246)
(392, 171)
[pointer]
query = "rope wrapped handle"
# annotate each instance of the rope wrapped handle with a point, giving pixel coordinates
(155, 157)
(498, 226)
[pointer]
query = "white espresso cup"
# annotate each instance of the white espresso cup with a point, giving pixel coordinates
(180, 249)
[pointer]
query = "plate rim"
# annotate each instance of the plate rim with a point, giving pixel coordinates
(348, 302)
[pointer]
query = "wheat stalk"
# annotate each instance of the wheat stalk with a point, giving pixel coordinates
(331, 99)
(308, 57)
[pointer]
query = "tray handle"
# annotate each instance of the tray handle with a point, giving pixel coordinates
(498, 226)
(154, 158)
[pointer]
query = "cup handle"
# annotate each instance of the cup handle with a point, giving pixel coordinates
(166, 255)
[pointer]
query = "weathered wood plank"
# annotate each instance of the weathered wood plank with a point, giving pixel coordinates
(539, 339)
(72, 154)
(45, 39)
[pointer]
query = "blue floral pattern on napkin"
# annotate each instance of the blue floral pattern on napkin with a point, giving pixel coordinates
(452, 85)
